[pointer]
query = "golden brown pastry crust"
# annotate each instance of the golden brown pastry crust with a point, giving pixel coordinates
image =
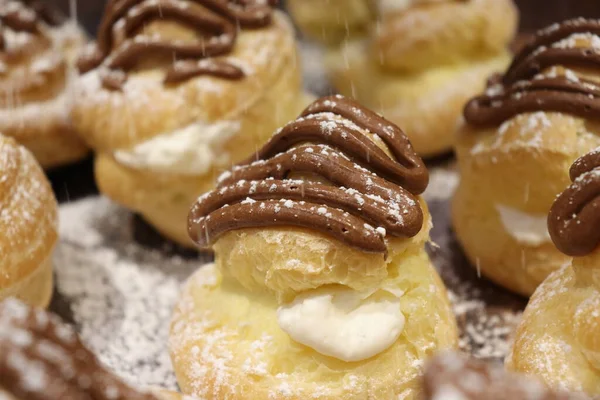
(454, 376)
(427, 104)
(28, 226)
(521, 164)
(557, 339)
(447, 51)
(337, 20)
(226, 341)
(438, 33)
(36, 85)
(113, 121)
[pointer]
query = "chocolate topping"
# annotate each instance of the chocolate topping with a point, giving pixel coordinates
(575, 215)
(48, 14)
(17, 17)
(368, 194)
(454, 376)
(41, 358)
(522, 89)
(120, 45)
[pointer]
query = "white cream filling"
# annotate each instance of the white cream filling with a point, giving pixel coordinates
(528, 229)
(192, 150)
(342, 323)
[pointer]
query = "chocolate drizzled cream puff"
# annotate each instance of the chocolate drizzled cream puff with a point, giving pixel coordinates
(37, 54)
(28, 226)
(175, 91)
(41, 358)
(452, 376)
(321, 286)
(418, 61)
(558, 338)
(516, 147)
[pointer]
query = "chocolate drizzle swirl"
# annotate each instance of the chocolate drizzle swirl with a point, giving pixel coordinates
(524, 88)
(17, 17)
(49, 15)
(575, 215)
(368, 194)
(42, 358)
(120, 45)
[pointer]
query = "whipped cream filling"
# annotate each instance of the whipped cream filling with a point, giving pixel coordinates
(528, 229)
(343, 323)
(191, 150)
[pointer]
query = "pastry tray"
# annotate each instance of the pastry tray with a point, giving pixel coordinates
(117, 280)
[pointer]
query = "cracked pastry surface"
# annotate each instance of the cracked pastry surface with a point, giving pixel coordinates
(446, 51)
(28, 226)
(520, 137)
(326, 220)
(164, 127)
(37, 54)
(557, 339)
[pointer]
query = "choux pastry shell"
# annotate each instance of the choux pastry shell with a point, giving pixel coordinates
(163, 129)
(420, 62)
(557, 339)
(308, 223)
(28, 226)
(37, 73)
(514, 152)
(335, 20)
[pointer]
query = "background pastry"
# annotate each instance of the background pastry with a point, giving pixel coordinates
(519, 140)
(172, 94)
(28, 226)
(335, 20)
(452, 376)
(37, 54)
(422, 60)
(322, 287)
(558, 338)
(41, 358)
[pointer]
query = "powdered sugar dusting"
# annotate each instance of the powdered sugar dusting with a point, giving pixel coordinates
(486, 314)
(121, 294)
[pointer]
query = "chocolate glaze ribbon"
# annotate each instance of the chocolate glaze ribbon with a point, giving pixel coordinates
(575, 215)
(17, 17)
(49, 15)
(37, 345)
(368, 194)
(522, 89)
(120, 45)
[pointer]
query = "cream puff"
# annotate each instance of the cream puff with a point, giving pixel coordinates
(28, 226)
(37, 71)
(335, 20)
(42, 358)
(452, 376)
(421, 60)
(515, 149)
(175, 91)
(321, 286)
(559, 336)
